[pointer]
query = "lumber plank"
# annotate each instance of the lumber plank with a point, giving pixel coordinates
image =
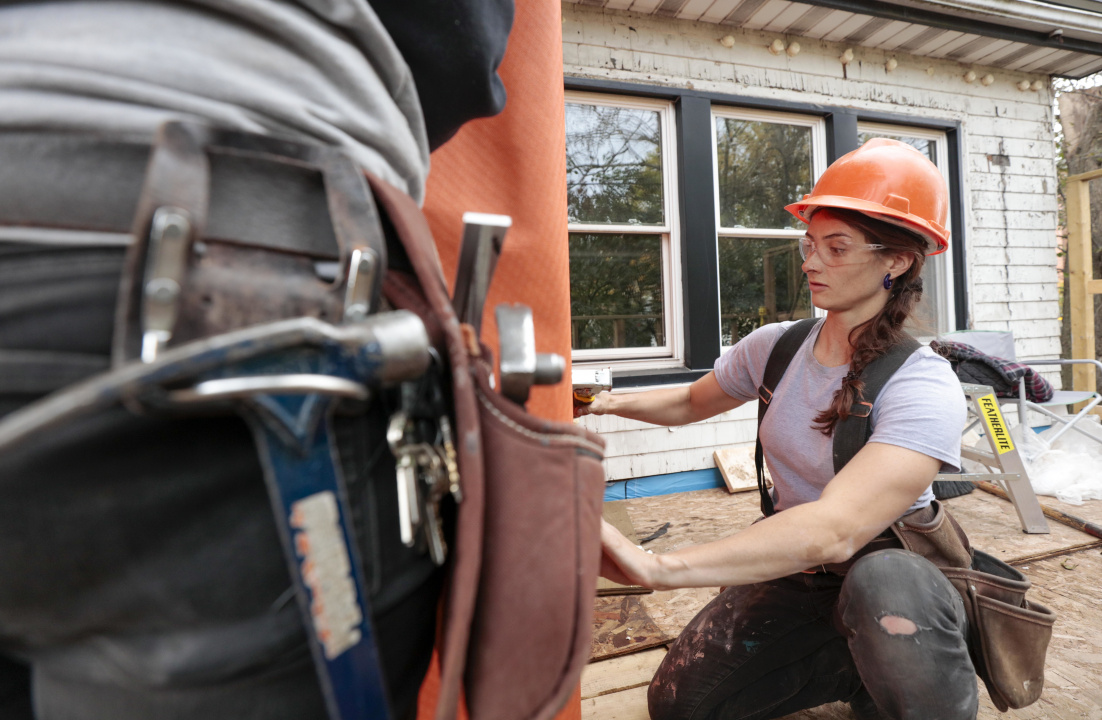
(622, 673)
(1059, 516)
(1080, 258)
(992, 526)
(621, 625)
(623, 705)
(736, 467)
(1090, 510)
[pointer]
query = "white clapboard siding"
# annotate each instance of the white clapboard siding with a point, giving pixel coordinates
(636, 449)
(1009, 173)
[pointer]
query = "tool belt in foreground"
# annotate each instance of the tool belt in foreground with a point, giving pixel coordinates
(216, 314)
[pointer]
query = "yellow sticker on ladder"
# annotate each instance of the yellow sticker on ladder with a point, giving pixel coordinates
(995, 424)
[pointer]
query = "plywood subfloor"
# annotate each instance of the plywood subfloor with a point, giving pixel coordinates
(1067, 578)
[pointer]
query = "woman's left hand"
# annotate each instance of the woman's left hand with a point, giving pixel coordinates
(623, 562)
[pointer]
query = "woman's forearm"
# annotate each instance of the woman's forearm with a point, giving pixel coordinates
(786, 543)
(667, 406)
(871, 491)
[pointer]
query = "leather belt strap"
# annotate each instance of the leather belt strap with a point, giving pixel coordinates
(58, 181)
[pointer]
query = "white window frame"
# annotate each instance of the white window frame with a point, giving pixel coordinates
(818, 165)
(943, 263)
(672, 353)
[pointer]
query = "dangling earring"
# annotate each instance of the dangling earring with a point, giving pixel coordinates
(888, 281)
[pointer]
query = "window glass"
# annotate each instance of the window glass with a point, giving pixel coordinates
(760, 282)
(616, 293)
(614, 165)
(761, 167)
(923, 145)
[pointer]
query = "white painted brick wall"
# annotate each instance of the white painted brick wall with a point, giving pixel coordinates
(1011, 211)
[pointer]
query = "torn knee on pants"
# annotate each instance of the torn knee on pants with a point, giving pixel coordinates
(895, 625)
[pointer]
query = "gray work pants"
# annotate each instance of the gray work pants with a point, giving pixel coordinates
(774, 648)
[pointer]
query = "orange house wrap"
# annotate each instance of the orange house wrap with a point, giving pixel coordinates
(515, 164)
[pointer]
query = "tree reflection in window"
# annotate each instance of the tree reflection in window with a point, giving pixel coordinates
(761, 167)
(616, 298)
(924, 146)
(613, 165)
(760, 282)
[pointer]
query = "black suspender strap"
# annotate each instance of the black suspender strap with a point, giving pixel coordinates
(851, 434)
(779, 358)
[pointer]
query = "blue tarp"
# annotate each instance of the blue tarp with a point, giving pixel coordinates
(663, 484)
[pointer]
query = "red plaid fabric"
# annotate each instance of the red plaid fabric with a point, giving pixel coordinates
(1003, 375)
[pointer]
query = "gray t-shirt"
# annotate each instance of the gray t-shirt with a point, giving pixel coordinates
(323, 70)
(920, 408)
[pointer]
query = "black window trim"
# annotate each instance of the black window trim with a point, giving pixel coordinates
(696, 191)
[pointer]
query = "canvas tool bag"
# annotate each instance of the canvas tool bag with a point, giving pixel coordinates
(1008, 634)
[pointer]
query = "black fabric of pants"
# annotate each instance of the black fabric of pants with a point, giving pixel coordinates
(141, 574)
(775, 648)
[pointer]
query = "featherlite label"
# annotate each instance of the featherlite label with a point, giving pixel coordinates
(995, 425)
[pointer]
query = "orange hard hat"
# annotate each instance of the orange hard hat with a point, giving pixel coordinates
(887, 180)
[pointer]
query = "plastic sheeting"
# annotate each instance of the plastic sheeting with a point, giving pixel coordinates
(1069, 469)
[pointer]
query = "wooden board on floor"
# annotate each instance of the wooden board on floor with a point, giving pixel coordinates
(624, 705)
(1090, 510)
(621, 673)
(992, 526)
(736, 467)
(621, 625)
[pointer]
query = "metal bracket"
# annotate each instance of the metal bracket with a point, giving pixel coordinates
(521, 366)
(362, 276)
(169, 243)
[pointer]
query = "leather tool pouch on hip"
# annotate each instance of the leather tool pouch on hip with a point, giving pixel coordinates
(1008, 635)
(518, 612)
(525, 551)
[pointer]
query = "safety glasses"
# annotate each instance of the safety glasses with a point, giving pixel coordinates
(837, 251)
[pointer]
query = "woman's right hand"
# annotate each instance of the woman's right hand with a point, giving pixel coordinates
(624, 562)
(600, 405)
